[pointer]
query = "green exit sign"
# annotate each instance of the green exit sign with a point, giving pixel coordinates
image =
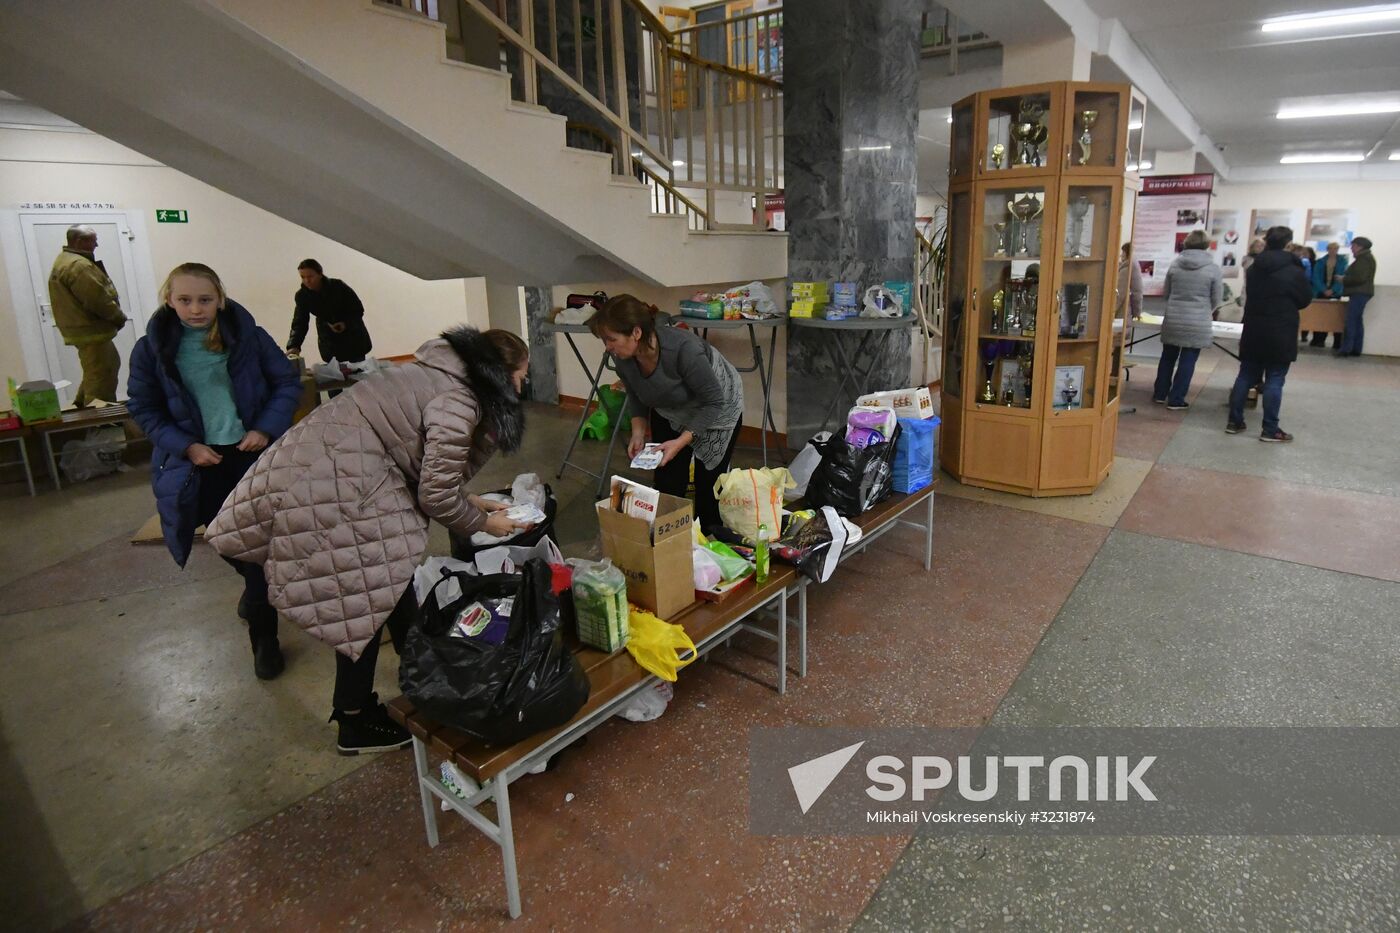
(172, 217)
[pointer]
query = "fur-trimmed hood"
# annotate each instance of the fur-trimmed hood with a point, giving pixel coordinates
(465, 353)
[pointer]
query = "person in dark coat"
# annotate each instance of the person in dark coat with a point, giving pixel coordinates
(1277, 289)
(340, 317)
(1360, 284)
(211, 390)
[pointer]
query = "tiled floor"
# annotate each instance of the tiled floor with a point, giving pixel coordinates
(151, 782)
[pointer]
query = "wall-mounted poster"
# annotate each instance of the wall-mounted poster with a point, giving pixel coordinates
(1262, 218)
(1227, 242)
(1330, 225)
(1169, 207)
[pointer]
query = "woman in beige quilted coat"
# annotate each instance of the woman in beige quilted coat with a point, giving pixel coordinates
(337, 510)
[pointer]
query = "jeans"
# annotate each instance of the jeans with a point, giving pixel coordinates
(1184, 361)
(1250, 375)
(675, 476)
(1356, 330)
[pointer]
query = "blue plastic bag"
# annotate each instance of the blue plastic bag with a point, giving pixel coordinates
(914, 454)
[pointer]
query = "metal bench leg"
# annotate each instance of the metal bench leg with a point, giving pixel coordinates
(420, 761)
(24, 459)
(928, 534)
(802, 628)
(502, 795)
(49, 459)
(782, 643)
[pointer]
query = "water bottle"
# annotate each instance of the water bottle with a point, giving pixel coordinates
(760, 556)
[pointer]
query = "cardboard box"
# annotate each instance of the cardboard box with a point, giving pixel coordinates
(916, 402)
(34, 401)
(655, 557)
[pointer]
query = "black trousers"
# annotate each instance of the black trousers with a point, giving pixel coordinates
(354, 680)
(215, 484)
(675, 476)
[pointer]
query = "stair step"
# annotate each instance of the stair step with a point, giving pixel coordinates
(534, 110)
(496, 73)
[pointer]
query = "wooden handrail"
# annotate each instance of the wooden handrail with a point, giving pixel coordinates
(771, 11)
(739, 73)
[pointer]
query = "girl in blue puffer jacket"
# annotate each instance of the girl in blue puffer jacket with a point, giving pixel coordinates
(211, 389)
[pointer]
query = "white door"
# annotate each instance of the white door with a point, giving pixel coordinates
(44, 238)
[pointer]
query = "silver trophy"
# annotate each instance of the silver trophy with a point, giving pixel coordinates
(1070, 392)
(1003, 247)
(1078, 210)
(1026, 209)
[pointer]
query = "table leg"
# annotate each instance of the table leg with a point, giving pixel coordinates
(928, 534)
(612, 444)
(782, 643)
(28, 471)
(594, 379)
(802, 628)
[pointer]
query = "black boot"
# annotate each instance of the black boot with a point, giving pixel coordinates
(369, 730)
(262, 633)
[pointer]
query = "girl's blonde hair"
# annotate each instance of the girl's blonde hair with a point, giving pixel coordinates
(213, 341)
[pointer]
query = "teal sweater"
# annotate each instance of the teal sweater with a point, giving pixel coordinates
(205, 374)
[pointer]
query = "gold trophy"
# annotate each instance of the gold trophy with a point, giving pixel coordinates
(998, 306)
(1030, 132)
(998, 154)
(1087, 119)
(1026, 209)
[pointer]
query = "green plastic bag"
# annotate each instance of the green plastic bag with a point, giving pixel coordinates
(731, 565)
(599, 425)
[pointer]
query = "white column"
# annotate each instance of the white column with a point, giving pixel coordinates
(1062, 59)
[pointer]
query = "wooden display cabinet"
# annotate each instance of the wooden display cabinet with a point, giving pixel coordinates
(1040, 192)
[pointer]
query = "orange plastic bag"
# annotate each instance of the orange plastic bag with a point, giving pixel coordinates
(658, 646)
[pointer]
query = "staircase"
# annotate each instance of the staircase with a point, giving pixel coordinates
(347, 117)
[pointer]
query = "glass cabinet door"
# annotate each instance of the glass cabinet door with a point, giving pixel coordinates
(1020, 132)
(959, 240)
(1011, 238)
(1137, 117)
(1122, 298)
(1084, 300)
(1095, 119)
(963, 141)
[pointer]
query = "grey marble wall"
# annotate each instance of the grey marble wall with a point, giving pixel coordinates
(850, 112)
(544, 364)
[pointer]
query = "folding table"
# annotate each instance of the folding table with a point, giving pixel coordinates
(595, 376)
(867, 327)
(765, 374)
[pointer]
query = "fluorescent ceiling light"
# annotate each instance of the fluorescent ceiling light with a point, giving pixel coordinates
(1142, 167)
(1303, 158)
(1135, 125)
(1339, 110)
(678, 163)
(1395, 156)
(883, 148)
(1356, 16)
(1145, 165)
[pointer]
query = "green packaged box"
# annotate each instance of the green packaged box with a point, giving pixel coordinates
(34, 401)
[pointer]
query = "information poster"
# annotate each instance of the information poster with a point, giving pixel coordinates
(1228, 241)
(1330, 225)
(1169, 207)
(1265, 217)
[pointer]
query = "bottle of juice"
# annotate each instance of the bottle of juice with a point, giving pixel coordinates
(760, 556)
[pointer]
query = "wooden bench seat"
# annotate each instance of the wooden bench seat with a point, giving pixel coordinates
(79, 419)
(609, 677)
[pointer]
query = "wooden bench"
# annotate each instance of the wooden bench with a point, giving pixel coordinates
(614, 679)
(78, 420)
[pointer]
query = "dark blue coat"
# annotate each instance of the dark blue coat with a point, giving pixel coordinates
(266, 391)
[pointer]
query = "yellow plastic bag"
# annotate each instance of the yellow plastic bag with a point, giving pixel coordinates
(658, 646)
(749, 498)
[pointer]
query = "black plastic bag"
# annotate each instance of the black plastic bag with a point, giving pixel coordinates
(499, 693)
(851, 480)
(463, 549)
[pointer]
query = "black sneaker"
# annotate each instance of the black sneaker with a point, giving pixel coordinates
(1234, 427)
(370, 730)
(1276, 437)
(1182, 407)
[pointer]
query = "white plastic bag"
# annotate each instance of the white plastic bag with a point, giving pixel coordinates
(802, 468)
(880, 302)
(648, 704)
(97, 453)
(511, 558)
(762, 297)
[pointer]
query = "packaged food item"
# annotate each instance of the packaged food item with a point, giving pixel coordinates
(634, 499)
(648, 458)
(600, 604)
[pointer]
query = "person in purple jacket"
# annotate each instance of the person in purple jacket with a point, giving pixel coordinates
(211, 389)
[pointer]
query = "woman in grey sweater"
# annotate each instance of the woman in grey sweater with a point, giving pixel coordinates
(681, 389)
(1192, 291)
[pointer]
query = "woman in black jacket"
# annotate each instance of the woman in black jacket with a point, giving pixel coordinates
(340, 317)
(1277, 288)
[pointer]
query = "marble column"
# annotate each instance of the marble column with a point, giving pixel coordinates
(544, 366)
(850, 113)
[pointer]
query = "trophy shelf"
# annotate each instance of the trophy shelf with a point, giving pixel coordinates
(1031, 355)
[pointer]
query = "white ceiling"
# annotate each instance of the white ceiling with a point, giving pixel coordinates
(1233, 77)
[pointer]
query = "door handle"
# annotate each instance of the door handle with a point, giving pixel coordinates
(46, 313)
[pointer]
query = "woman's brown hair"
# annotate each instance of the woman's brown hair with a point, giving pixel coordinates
(621, 313)
(513, 350)
(213, 341)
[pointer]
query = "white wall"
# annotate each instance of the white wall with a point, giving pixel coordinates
(256, 253)
(1377, 204)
